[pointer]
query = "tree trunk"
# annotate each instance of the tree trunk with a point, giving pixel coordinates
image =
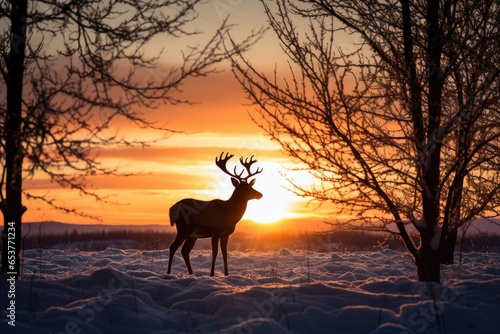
(428, 259)
(11, 239)
(429, 271)
(11, 205)
(429, 265)
(449, 247)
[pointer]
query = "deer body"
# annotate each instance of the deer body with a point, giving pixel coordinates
(214, 219)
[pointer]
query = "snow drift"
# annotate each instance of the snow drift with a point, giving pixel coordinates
(126, 291)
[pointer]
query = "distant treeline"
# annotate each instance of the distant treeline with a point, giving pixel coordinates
(339, 241)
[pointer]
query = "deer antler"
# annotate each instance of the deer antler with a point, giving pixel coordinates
(247, 163)
(221, 163)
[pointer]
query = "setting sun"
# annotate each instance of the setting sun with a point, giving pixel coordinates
(276, 202)
(270, 209)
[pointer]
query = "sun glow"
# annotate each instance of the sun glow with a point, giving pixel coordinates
(270, 209)
(276, 203)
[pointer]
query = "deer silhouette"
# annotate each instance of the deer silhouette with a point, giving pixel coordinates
(214, 219)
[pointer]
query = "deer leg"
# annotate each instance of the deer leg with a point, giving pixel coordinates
(186, 249)
(184, 229)
(215, 249)
(223, 248)
(179, 239)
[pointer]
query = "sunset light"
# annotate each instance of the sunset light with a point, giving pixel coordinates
(181, 165)
(267, 212)
(276, 202)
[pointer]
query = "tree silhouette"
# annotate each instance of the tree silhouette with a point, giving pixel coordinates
(400, 122)
(72, 69)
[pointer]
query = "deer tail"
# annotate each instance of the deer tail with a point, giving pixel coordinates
(174, 214)
(184, 213)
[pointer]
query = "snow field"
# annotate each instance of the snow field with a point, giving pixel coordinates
(127, 291)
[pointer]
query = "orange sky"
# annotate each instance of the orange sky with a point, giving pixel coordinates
(183, 165)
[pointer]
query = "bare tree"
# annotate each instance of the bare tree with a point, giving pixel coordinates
(70, 70)
(401, 123)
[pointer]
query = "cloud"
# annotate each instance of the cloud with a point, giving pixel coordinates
(198, 150)
(155, 181)
(216, 103)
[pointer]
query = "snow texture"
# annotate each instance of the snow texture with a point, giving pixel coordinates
(127, 291)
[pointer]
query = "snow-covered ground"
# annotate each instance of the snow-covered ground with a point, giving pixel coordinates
(117, 291)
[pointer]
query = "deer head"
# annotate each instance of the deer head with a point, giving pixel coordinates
(243, 187)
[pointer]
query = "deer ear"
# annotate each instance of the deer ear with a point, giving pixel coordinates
(235, 182)
(252, 182)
